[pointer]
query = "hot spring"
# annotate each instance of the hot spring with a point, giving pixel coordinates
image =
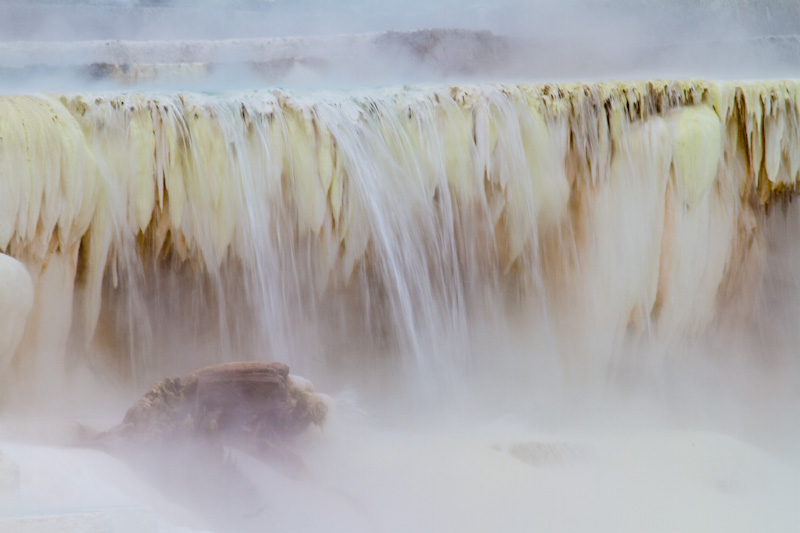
(541, 258)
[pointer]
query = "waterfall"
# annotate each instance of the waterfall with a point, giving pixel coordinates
(164, 231)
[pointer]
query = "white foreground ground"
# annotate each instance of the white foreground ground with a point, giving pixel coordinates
(493, 478)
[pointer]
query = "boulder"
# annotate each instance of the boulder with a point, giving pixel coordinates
(255, 406)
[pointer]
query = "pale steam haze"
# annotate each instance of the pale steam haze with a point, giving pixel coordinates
(538, 259)
(342, 45)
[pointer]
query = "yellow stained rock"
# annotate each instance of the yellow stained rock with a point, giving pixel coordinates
(545, 150)
(301, 162)
(141, 148)
(698, 149)
(456, 127)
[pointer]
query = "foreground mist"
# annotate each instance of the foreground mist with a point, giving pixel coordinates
(534, 306)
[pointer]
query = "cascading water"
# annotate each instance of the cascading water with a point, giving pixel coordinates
(587, 259)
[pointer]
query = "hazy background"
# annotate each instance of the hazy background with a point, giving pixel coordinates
(537, 40)
(664, 22)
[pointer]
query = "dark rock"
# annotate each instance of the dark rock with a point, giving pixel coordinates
(250, 405)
